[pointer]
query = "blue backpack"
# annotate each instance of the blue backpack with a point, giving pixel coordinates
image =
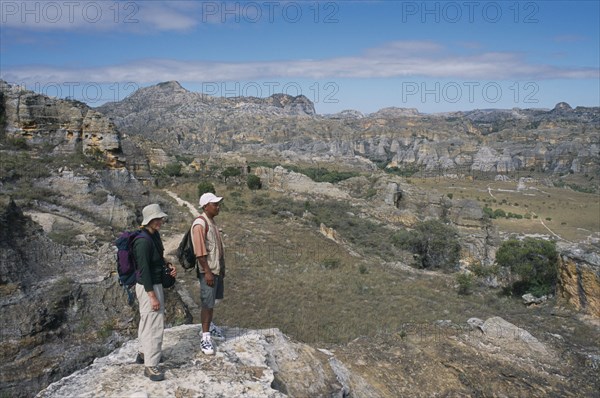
(126, 266)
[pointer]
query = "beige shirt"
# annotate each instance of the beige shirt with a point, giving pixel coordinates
(210, 245)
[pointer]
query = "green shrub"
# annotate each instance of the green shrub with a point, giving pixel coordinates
(435, 242)
(465, 283)
(185, 159)
(17, 143)
(405, 171)
(488, 212)
(330, 263)
(322, 174)
(534, 261)
(404, 239)
(173, 169)
(253, 182)
(231, 172)
(499, 213)
(484, 271)
(205, 187)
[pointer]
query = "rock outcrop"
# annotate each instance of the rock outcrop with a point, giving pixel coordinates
(283, 180)
(60, 303)
(480, 358)
(66, 126)
(579, 274)
(259, 363)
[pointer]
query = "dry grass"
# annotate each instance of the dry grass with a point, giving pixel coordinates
(571, 215)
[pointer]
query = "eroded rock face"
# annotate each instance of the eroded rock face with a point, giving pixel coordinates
(60, 305)
(280, 179)
(260, 363)
(66, 126)
(579, 274)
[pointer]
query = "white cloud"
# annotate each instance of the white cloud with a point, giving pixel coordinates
(396, 59)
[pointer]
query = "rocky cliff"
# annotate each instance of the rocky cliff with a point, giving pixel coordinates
(61, 126)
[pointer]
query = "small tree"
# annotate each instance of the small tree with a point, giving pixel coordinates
(534, 261)
(253, 182)
(205, 187)
(435, 242)
(173, 169)
(231, 172)
(499, 213)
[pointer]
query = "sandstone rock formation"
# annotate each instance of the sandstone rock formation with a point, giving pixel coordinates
(65, 126)
(283, 180)
(579, 274)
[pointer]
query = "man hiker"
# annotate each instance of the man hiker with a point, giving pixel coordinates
(208, 248)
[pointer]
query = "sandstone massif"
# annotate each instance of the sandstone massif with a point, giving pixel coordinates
(559, 140)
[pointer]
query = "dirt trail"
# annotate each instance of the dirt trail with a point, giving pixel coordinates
(171, 242)
(182, 202)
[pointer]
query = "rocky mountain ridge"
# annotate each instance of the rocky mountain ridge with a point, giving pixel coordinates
(561, 140)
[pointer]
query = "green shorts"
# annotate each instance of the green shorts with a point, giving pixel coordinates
(208, 294)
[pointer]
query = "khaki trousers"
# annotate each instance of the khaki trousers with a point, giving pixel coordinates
(152, 324)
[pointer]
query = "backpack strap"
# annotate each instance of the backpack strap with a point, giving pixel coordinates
(201, 217)
(141, 234)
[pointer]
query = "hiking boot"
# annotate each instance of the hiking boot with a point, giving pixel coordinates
(207, 347)
(216, 332)
(139, 359)
(154, 373)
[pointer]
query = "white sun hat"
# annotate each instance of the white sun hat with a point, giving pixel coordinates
(151, 212)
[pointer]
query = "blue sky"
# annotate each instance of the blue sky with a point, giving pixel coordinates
(436, 56)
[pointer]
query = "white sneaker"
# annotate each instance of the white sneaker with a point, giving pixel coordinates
(216, 332)
(207, 347)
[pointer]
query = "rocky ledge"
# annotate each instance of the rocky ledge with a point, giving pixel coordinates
(258, 363)
(480, 358)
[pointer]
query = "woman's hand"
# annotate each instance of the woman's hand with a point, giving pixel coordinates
(154, 303)
(173, 270)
